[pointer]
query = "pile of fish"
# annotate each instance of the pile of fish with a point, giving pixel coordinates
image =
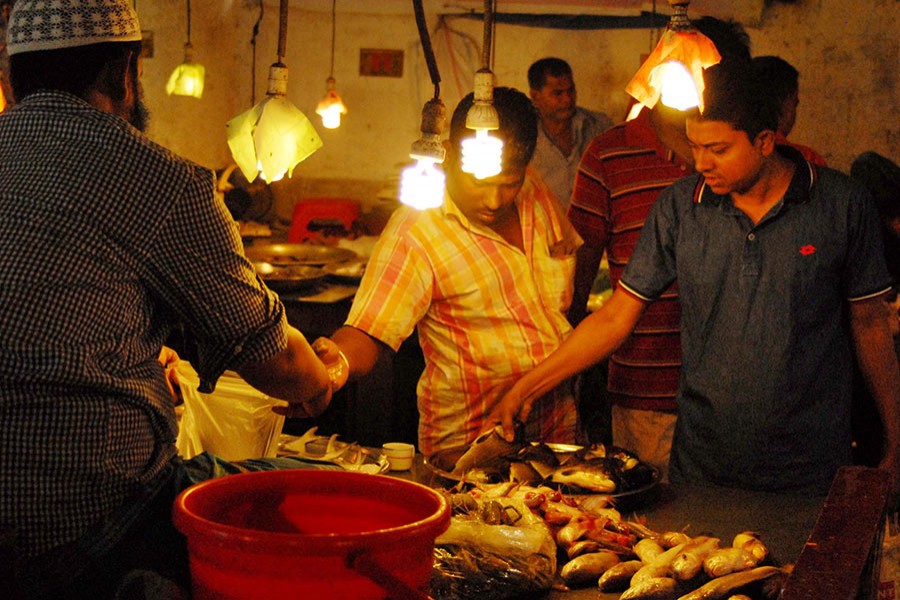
(596, 468)
(508, 556)
(675, 566)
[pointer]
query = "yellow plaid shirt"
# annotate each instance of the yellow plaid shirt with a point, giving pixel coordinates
(486, 312)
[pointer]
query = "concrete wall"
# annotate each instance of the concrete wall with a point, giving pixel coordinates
(848, 55)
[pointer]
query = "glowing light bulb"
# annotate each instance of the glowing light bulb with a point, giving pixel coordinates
(422, 185)
(481, 155)
(331, 107)
(677, 88)
(187, 78)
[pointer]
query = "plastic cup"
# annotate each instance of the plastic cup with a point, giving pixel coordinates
(399, 455)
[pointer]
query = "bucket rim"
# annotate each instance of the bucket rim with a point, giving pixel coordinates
(198, 528)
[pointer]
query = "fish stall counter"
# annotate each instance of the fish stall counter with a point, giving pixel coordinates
(833, 541)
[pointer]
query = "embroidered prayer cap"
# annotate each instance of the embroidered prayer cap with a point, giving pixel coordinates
(54, 24)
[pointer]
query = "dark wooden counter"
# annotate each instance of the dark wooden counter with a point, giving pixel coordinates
(833, 540)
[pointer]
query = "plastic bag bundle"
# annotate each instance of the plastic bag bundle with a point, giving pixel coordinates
(484, 558)
(234, 422)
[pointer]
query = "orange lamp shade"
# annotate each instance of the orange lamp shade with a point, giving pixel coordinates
(690, 48)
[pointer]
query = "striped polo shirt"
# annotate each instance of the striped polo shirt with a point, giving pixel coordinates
(620, 177)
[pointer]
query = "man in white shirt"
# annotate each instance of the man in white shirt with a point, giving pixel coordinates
(565, 129)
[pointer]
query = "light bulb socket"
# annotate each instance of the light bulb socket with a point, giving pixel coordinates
(188, 53)
(278, 78)
(679, 20)
(483, 86)
(330, 84)
(428, 146)
(434, 117)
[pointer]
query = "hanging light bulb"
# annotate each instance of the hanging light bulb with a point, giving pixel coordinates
(482, 154)
(683, 44)
(187, 78)
(422, 184)
(331, 107)
(271, 138)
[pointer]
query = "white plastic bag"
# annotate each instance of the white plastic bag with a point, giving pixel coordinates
(235, 422)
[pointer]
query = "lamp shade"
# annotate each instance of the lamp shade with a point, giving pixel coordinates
(693, 50)
(186, 80)
(271, 138)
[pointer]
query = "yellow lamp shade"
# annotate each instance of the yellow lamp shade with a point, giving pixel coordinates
(271, 138)
(690, 48)
(186, 80)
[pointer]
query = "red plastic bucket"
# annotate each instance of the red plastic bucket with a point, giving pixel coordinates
(319, 534)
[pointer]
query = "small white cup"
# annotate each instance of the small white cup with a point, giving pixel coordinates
(399, 455)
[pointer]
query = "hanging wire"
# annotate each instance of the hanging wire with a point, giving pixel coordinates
(253, 66)
(333, 21)
(488, 34)
(189, 22)
(425, 38)
(282, 30)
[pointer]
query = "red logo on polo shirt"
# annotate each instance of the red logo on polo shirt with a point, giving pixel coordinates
(807, 250)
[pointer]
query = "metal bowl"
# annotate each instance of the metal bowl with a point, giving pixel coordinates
(291, 255)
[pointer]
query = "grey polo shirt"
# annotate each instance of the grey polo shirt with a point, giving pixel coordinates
(764, 399)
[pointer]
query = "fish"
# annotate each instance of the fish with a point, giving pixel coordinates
(489, 453)
(587, 568)
(749, 541)
(647, 549)
(673, 538)
(594, 475)
(728, 560)
(582, 547)
(728, 585)
(539, 457)
(618, 577)
(656, 588)
(689, 562)
(659, 566)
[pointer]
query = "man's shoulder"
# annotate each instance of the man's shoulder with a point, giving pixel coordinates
(595, 122)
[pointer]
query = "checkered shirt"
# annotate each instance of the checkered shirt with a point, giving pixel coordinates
(107, 240)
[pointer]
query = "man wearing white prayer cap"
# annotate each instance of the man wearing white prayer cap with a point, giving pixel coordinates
(109, 243)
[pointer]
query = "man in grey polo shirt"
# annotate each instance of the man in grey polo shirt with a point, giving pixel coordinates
(782, 278)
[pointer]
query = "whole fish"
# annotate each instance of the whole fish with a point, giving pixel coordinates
(656, 588)
(728, 560)
(689, 562)
(659, 566)
(587, 568)
(618, 577)
(750, 542)
(595, 475)
(647, 549)
(727, 585)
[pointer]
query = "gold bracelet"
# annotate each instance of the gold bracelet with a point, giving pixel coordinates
(336, 372)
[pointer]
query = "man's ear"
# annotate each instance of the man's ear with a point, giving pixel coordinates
(114, 79)
(766, 141)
